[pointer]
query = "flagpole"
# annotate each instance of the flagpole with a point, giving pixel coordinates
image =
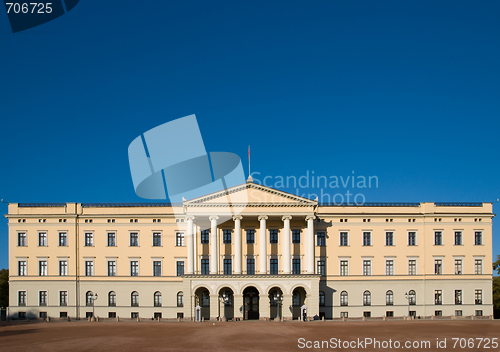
(249, 170)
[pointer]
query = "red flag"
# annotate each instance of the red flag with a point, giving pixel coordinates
(249, 152)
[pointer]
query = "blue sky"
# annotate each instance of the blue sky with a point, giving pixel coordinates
(404, 90)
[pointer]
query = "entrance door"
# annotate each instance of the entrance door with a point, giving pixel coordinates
(251, 303)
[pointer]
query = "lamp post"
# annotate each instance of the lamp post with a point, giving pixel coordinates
(278, 299)
(224, 298)
(93, 297)
(407, 296)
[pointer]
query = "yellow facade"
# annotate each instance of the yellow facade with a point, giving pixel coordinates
(438, 253)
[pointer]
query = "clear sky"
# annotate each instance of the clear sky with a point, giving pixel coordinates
(407, 91)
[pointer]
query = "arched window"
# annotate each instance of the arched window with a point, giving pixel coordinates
(412, 298)
(321, 298)
(134, 299)
(180, 299)
(157, 299)
(389, 298)
(112, 299)
(367, 298)
(296, 299)
(343, 298)
(88, 298)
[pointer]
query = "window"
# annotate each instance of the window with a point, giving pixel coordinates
(63, 298)
(367, 267)
(412, 267)
(205, 236)
(112, 299)
(478, 266)
(205, 267)
(134, 268)
(111, 239)
(367, 314)
(389, 267)
(389, 314)
(134, 315)
(478, 296)
(438, 297)
(344, 239)
(344, 299)
(111, 314)
(389, 238)
(296, 299)
(320, 239)
(458, 313)
(389, 298)
(412, 238)
(89, 239)
(205, 299)
(295, 266)
(273, 267)
(180, 299)
(179, 239)
(251, 266)
(111, 268)
(134, 239)
(226, 236)
(250, 236)
(321, 299)
(42, 239)
(367, 298)
(157, 299)
(321, 268)
(63, 268)
(157, 268)
(42, 268)
(458, 266)
(22, 268)
(367, 238)
(412, 298)
(63, 239)
(458, 238)
(438, 313)
(228, 270)
(273, 236)
(21, 239)
(89, 298)
(438, 238)
(344, 268)
(458, 296)
(21, 298)
(180, 268)
(89, 268)
(344, 314)
(438, 266)
(134, 299)
(295, 236)
(42, 302)
(479, 313)
(478, 238)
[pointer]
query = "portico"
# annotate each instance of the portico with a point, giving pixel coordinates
(249, 231)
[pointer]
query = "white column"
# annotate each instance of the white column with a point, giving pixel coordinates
(237, 243)
(309, 245)
(195, 249)
(214, 244)
(190, 246)
(286, 244)
(263, 244)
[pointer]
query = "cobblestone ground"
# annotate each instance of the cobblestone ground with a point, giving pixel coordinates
(249, 336)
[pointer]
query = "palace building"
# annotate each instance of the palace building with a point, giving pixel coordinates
(250, 252)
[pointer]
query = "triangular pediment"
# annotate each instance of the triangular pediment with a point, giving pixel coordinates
(251, 194)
